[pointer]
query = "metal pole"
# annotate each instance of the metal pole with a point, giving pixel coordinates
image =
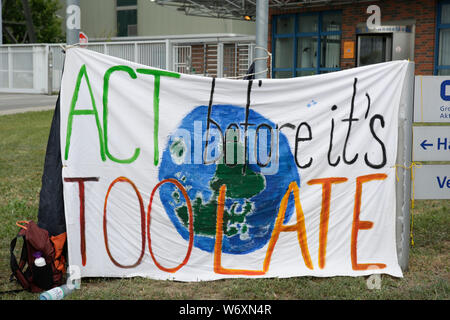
(403, 188)
(262, 18)
(1, 23)
(73, 21)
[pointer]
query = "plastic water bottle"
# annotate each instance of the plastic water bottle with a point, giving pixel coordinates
(57, 293)
(39, 261)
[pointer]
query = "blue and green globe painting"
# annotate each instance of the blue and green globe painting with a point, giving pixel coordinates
(253, 190)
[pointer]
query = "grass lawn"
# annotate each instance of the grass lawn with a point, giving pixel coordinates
(23, 141)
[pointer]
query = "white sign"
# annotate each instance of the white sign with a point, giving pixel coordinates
(432, 182)
(432, 99)
(431, 143)
(177, 176)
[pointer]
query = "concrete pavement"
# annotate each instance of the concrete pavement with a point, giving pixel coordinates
(19, 102)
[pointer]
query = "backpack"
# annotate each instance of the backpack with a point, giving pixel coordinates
(36, 241)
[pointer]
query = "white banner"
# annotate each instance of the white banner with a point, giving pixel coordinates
(175, 176)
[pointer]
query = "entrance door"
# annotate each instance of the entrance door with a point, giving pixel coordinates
(375, 48)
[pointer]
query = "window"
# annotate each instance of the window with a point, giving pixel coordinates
(442, 50)
(126, 18)
(374, 48)
(306, 43)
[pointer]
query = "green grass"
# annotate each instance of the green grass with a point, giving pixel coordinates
(23, 141)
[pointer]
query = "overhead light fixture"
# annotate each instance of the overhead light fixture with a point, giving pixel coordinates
(247, 17)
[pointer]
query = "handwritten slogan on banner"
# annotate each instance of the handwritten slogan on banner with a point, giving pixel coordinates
(175, 176)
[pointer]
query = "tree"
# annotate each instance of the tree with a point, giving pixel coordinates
(31, 21)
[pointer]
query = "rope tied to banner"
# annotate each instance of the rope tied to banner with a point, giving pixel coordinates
(64, 47)
(412, 167)
(268, 57)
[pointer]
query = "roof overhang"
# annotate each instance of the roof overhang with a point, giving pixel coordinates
(242, 9)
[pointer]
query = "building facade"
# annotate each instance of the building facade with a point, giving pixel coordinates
(107, 19)
(306, 39)
(326, 38)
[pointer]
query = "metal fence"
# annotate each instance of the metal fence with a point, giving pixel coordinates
(37, 68)
(23, 68)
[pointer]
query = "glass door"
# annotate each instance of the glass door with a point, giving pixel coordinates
(375, 48)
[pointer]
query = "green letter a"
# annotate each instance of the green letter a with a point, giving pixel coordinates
(83, 112)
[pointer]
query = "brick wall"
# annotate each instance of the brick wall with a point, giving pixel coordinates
(422, 11)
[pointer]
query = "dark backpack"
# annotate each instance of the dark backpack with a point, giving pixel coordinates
(31, 277)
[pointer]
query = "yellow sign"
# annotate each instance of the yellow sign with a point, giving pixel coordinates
(349, 49)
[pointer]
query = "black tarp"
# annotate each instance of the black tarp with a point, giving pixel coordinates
(51, 215)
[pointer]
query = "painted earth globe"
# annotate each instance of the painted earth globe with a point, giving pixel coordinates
(255, 163)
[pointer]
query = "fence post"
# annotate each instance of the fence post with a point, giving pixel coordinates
(219, 60)
(169, 65)
(10, 69)
(50, 71)
(403, 186)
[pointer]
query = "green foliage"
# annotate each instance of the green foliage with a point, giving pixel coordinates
(47, 24)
